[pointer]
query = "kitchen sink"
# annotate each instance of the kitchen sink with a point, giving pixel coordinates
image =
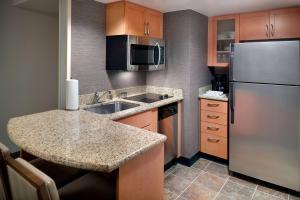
(113, 107)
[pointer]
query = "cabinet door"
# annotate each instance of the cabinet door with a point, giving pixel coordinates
(135, 19)
(222, 31)
(146, 120)
(154, 20)
(115, 22)
(254, 26)
(285, 23)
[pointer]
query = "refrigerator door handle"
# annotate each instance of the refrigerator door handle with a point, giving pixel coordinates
(231, 46)
(231, 102)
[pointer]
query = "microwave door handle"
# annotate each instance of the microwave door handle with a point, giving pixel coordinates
(159, 54)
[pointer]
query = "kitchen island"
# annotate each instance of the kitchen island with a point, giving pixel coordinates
(85, 140)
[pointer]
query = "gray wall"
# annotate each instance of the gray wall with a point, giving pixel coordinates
(186, 36)
(28, 64)
(88, 51)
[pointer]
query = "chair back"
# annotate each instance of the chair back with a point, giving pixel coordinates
(4, 192)
(28, 182)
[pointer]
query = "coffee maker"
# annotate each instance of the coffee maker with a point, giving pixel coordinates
(220, 83)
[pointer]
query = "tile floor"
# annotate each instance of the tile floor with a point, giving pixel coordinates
(208, 180)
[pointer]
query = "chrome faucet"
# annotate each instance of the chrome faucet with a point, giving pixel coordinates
(98, 97)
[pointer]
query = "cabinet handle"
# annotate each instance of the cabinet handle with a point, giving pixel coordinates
(145, 28)
(213, 116)
(211, 128)
(272, 29)
(213, 105)
(213, 140)
(267, 30)
(148, 29)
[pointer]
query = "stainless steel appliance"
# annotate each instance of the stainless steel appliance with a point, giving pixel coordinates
(167, 125)
(264, 138)
(148, 97)
(133, 53)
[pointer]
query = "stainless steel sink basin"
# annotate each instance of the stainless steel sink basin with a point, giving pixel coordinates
(112, 107)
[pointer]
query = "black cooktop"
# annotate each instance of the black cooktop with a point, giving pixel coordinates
(148, 97)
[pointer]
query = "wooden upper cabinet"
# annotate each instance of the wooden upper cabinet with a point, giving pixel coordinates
(285, 23)
(274, 24)
(254, 26)
(134, 18)
(126, 18)
(154, 23)
(222, 32)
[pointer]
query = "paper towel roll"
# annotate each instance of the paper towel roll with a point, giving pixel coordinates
(72, 97)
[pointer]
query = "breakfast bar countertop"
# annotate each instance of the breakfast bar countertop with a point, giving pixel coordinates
(80, 139)
(87, 140)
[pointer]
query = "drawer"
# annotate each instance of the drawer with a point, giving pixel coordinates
(215, 129)
(142, 120)
(214, 106)
(214, 117)
(214, 145)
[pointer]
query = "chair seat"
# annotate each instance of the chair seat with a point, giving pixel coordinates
(92, 186)
(61, 174)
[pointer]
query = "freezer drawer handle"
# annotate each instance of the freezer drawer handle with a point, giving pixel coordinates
(213, 116)
(213, 140)
(211, 128)
(213, 105)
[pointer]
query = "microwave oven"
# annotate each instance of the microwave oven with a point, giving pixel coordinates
(134, 53)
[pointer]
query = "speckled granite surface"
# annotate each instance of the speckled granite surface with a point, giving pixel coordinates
(204, 89)
(87, 140)
(80, 139)
(87, 99)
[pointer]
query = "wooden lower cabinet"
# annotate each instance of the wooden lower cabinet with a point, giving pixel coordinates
(214, 145)
(143, 176)
(147, 120)
(213, 127)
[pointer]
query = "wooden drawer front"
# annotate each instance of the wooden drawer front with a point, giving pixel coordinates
(214, 106)
(215, 129)
(214, 117)
(214, 145)
(142, 120)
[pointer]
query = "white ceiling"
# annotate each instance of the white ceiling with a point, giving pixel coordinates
(213, 7)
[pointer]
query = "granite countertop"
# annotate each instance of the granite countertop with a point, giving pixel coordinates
(142, 108)
(83, 139)
(204, 89)
(214, 98)
(80, 139)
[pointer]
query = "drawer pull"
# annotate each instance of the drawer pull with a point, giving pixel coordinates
(213, 140)
(213, 105)
(211, 128)
(213, 116)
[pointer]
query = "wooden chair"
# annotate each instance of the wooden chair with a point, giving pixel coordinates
(4, 193)
(28, 182)
(59, 173)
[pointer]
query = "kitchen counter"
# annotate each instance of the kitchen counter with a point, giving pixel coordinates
(80, 139)
(83, 139)
(214, 98)
(142, 108)
(204, 89)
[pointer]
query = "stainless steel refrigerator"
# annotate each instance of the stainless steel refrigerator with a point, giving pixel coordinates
(264, 133)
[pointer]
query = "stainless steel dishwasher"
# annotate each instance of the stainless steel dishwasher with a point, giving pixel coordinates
(167, 125)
